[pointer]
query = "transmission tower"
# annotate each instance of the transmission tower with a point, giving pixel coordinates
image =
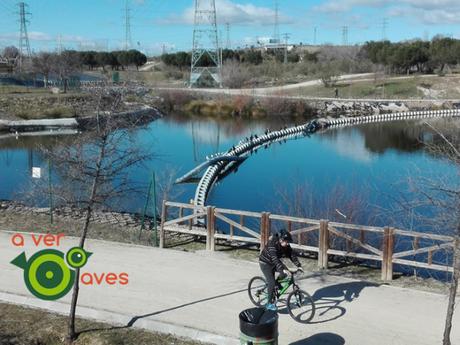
(59, 44)
(345, 35)
(384, 29)
(286, 38)
(229, 43)
(206, 57)
(315, 32)
(24, 45)
(128, 41)
(276, 29)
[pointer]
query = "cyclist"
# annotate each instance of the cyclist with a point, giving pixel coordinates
(269, 261)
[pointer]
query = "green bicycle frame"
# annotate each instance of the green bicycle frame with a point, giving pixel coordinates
(285, 284)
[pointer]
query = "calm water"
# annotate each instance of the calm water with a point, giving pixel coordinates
(361, 171)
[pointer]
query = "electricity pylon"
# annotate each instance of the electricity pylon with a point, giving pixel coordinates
(24, 45)
(206, 57)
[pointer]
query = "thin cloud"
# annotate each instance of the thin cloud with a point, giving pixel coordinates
(234, 13)
(431, 12)
(347, 5)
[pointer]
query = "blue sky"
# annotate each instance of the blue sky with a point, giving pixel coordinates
(99, 24)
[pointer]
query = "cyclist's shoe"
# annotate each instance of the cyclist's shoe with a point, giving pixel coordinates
(272, 307)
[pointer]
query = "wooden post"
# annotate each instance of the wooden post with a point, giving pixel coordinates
(262, 232)
(264, 229)
(387, 254)
(181, 213)
(268, 228)
(323, 244)
(349, 244)
(164, 215)
(415, 244)
(210, 241)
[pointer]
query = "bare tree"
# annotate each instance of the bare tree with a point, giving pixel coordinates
(43, 63)
(235, 74)
(11, 52)
(329, 74)
(440, 195)
(93, 169)
(66, 64)
(451, 207)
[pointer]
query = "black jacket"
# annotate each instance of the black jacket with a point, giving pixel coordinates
(273, 251)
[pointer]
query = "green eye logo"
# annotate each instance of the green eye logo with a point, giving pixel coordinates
(46, 274)
(77, 257)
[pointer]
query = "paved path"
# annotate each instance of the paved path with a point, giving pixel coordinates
(200, 295)
(279, 91)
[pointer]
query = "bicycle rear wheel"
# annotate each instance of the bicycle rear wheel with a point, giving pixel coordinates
(258, 291)
(301, 306)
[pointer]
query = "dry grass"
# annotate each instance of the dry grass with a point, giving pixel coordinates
(26, 326)
(416, 87)
(41, 223)
(11, 90)
(44, 113)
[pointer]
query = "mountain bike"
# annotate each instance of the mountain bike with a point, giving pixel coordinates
(299, 303)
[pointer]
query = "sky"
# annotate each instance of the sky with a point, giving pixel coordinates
(167, 25)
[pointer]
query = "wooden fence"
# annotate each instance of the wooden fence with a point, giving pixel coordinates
(382, 244)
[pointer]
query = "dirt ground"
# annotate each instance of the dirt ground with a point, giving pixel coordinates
(45, 328)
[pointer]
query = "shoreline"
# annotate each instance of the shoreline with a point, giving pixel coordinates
(220, 103)
(75, 124)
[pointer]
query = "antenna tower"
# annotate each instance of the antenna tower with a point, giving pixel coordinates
(384, 29)
(276, 29)
(286, 38)
(24, 45)
(229, 43)
(345, 35)
(206, 57)
(128, 41)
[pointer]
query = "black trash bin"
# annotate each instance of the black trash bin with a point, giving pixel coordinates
(258, 326)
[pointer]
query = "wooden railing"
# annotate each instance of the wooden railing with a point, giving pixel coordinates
(382, 244)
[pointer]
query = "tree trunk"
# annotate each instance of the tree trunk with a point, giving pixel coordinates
(452, 291)
(72, 334)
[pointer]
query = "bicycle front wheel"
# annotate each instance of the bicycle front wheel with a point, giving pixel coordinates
(301, 306)
(258, 291)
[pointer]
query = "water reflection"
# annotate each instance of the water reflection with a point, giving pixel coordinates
(343, 155)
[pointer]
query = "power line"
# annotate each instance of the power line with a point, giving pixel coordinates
(8, 7)
(206, 55)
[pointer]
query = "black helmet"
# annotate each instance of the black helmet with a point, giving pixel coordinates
(284, 235)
